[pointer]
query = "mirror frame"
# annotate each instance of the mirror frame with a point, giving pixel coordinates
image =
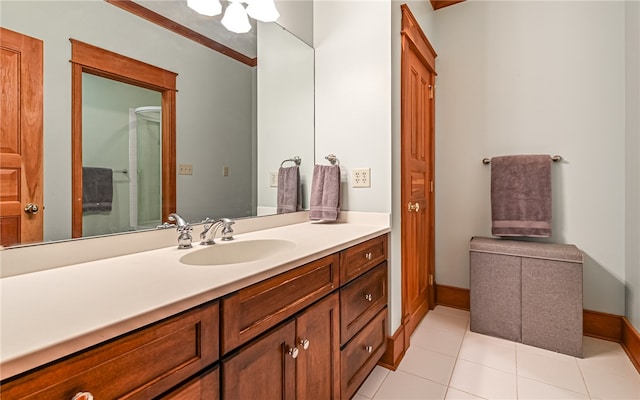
(106, 64)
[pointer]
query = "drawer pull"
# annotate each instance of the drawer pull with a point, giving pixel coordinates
(83, 396)
(293, 352)
(368, 297)
(369, 349)
(368, 256)
(304, 343)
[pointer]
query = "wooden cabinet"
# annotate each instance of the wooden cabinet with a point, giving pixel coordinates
(138, 365)
(300, 359)
(254, 309)
(313, 332)
(205, 386)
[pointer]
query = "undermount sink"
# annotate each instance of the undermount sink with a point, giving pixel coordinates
(223, 253)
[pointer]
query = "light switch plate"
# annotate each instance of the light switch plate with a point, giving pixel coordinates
(273, 179)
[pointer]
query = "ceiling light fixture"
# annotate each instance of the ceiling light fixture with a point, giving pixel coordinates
(236, 17)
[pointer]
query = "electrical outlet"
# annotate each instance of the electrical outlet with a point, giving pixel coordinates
(361, 177)
(185, 169)
(273, 179)
(225, 171)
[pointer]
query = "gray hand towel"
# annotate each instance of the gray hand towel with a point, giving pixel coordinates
(325, 193)
(521, 195)
(288, 189)
(97, 189)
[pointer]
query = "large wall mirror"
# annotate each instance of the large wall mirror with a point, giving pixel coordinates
(235, 122)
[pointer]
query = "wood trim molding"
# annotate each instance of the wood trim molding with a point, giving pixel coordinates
(396, 348)
(142, 12)
(438, 4)
(631, 342)
(615, 328)
(104, 63)
(414, 36)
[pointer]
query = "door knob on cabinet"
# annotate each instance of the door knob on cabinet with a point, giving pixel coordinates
(413, 207)
(31, 208)
(83, 396)
(368, 256)
(304, 343)
(293, 352)
(368, 349)
(368, 297)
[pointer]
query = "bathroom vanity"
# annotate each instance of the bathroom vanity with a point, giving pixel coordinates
(309, 322)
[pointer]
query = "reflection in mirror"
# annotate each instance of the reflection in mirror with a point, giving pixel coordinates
(121, 156)
(217, 101)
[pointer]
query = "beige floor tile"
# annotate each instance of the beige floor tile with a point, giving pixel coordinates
(373, 382)
(483, 381)
(455, 394)
(489, 351)
(400, 385)
(563, 373)
(428, 364)
(532, 390)
(439, 340)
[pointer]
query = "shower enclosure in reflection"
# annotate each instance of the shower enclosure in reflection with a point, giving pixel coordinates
(145, 158)
(121, 132)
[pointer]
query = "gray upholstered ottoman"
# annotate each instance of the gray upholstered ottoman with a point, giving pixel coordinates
(528, 292)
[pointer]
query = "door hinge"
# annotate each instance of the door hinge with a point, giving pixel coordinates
(430, 279)
(431, 90)
(431, 186)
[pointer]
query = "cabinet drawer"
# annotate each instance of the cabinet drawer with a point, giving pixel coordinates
(362, 353)
(360, 258)
(205, 386)
(138, 365)
(254, 309)
(361, 300)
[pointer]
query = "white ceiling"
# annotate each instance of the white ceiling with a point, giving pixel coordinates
(211, 27)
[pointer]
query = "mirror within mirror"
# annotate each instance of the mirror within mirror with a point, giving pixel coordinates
(229, 129)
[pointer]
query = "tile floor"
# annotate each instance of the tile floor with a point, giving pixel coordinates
(447, 361)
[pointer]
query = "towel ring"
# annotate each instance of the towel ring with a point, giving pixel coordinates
(555, 158)
(297, 160)
(333, 159)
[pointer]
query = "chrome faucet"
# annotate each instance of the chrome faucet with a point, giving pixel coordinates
(208, 234)
(184, 230)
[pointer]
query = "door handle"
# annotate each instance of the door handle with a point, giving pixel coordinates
(31, 208)
(413, 207)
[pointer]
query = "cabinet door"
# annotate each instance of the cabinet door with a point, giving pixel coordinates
(263, 369)
(318, 341)
(205, 386)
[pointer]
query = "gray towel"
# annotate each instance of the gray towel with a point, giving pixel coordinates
(325, 193)
(288, 189)
(97, 189)
(521, 195)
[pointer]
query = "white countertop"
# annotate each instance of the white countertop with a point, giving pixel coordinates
(49, 314)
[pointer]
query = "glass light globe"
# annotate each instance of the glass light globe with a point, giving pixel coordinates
(235, 18)
(262, 10)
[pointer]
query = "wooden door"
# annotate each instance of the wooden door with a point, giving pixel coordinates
(417, 169)
(263, 369)
(21, 125)
(318, 365)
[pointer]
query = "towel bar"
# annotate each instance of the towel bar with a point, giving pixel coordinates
(332, 159)
(555, 158)
(297, 160)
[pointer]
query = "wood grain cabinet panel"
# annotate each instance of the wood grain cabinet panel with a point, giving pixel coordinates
(259, 307)
(205, 386)
(138, 365)
(361, 300)
(360, 258)
(362, 353)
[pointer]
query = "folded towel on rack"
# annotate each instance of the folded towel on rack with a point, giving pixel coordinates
(97, 189)
(288, 190)
(521, 195)
(325, 193)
